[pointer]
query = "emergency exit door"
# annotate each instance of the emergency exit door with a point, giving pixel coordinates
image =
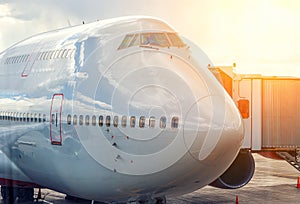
(56, 119)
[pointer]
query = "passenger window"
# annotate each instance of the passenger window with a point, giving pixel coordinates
(18, 59)
(142, 121)
(163, 122)
(45, 56)
(31, 117)
(40, 118)
(28, 117)
(94, 120)
(69, 118)
(52, 54)
(67, 53)
(44, 118)
(124, 121)
(53, 118)
(61, 52)
(81, 120)
(87, 120)
(175, 122)
(26, 58)
(24, 117)
(75, 120)
(72, 53)
(116, 120)
(100, 120)
(56, 54)
(22, 58)
(152, 122)
(132, 121)
(107, 121)
(17, 116)
(35, 117)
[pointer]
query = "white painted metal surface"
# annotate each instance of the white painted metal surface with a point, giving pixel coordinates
(196, 134)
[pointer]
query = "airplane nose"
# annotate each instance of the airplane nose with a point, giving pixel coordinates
(159, 86)
(213, 126)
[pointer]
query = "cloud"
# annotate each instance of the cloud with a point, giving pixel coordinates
(227, 30)
(20, 19)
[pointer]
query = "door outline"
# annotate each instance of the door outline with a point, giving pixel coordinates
(31, 61)
(56, 119)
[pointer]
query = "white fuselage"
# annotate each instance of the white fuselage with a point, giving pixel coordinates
(95, 111)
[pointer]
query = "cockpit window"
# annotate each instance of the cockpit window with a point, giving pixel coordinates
(135, 40)
(126, 41)
(155, 39)
(175, 40)
(152, 39)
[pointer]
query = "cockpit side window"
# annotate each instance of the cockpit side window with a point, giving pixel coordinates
(175, 40)
(135, 41)
(126, 41)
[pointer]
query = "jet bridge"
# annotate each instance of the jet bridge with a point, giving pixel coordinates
(270, 107)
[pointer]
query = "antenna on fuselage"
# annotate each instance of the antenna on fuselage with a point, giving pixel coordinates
(69, 22)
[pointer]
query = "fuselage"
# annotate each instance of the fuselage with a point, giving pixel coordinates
(114, 110)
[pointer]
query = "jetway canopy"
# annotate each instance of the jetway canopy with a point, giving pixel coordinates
(270, 107)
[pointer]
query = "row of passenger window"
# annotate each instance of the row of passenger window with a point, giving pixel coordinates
(25, 117)
(46, 55)
(122, 121)
(101, 120)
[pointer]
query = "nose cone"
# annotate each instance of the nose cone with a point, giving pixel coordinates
(213, 127)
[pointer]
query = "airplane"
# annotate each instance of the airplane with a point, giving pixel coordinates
(116, 111)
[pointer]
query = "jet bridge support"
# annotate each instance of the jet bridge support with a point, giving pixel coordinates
(293, 158)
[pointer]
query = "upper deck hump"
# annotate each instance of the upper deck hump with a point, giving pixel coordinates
(108, 28)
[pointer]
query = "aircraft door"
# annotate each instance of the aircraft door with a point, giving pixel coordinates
(56, 119)
(29, 64)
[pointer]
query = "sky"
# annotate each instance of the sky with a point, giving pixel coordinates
(260, 36)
